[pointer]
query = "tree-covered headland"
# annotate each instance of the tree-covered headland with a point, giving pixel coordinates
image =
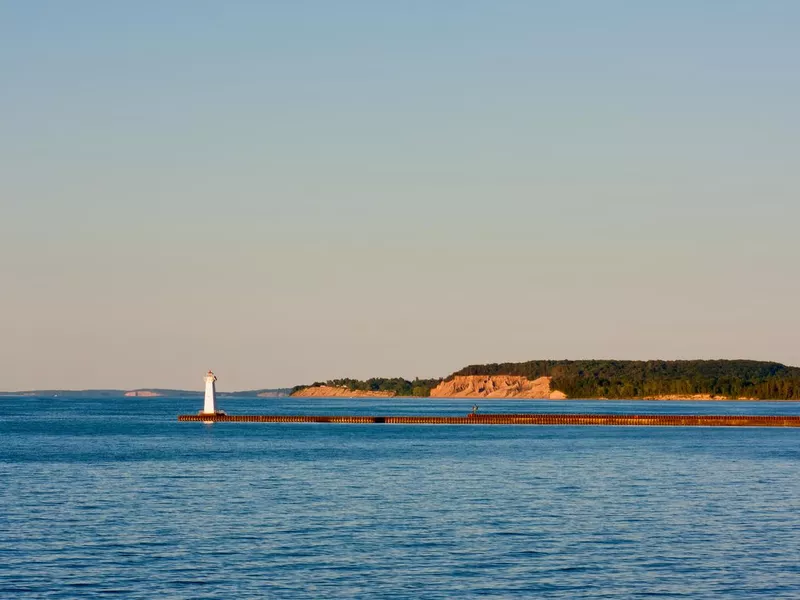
(622, 378)
(638, 378)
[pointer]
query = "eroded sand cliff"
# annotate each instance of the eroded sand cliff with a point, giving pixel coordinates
(496, 386)
(326, 391)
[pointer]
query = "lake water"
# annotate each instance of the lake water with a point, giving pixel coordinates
(115, 497)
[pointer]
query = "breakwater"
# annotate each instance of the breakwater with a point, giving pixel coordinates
(519, 419)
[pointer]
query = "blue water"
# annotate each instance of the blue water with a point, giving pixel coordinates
(114, 496)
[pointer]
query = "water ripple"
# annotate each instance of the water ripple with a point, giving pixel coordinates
(128, 502)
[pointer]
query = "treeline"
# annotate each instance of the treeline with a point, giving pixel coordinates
(398, 385)
(636, 379)
(276, 392)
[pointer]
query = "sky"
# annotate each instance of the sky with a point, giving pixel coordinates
(288, 192)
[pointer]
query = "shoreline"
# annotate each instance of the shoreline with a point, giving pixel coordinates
(485, 399)
(613, 399)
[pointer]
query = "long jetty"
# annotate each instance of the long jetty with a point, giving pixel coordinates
(519, 419)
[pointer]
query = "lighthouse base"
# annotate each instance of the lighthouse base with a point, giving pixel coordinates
(210, 417)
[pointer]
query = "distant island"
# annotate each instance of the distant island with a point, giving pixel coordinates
(263, 393)
(590, 379)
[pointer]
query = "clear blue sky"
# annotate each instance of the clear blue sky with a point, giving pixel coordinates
(292, 191)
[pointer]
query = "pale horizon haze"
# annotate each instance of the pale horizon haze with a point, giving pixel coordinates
(287, 192)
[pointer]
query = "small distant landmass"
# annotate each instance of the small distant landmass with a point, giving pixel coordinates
(154, 393)
(590, 379)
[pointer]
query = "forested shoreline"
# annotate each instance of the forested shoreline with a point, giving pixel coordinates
(397, 385)
(618, 379)
(638, 379)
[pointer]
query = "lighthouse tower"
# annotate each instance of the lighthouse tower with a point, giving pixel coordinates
(210, 405)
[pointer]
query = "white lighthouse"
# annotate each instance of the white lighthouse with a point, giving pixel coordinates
(210, 405)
